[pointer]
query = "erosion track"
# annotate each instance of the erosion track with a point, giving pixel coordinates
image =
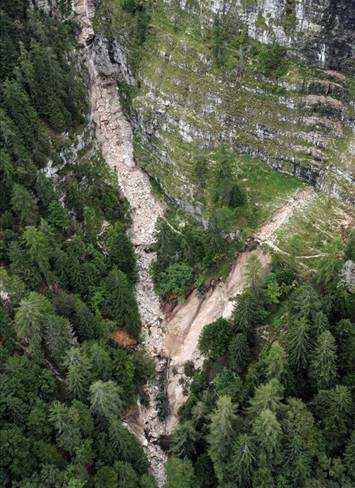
(169, 341)
(115, 136)
(187, 320)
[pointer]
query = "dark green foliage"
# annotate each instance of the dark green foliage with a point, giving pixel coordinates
(280, 414)
(220, 437)
(180, 474)
(186, 254)
(175, 280)
(238, 352)
(226, 190)
(323, 365)
(271, 60)
(119, 302)
(106, 477)
(120, 250)
(23, 204)
(350, 248)
(333, 408)
(184, 440)
(214, 339)
(250, 312)
(299, 343)
(65, 283)
(26, 120)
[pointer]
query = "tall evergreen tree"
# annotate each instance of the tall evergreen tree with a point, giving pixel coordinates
(120, 250)
(221, 435)
(30, 318)
(242, 461)
(267, 435)
(25, 117)
(180, 474)
(24, 204)
(267, 397)
(334, 407)
(105, 399)
(299, 342)
(323, 364)
(119, 301)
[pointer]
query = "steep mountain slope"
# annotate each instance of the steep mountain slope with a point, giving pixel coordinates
(258, 92)
(268, 78)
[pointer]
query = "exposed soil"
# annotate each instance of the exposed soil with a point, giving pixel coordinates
(170, 342)
(187, 320)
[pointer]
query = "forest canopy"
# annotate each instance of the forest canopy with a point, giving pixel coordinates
(66, 278)
(273, 403)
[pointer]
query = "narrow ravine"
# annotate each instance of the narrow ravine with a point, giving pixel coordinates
(187, 320)
(114, 134)
(169, 341)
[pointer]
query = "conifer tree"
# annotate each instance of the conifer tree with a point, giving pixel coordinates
(24, 205)
(119, 301)
(25, 118)
(345, 335)
(78, 372)
(30, 318)
(105, 399)
(180, 473)
(184, 440)
(39, 248)
(275, 361)
(253, 270)
(58, 337)
(120, 250)
(267, 435)
(334, 407)
(299, 342)
(323, 364)
(300, 438)
(242, 461)
(267, 397)
(10, 138)
(214, 338)
(320, 323)
(238, 352)
(221, 435)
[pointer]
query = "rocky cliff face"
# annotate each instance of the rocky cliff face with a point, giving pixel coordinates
(210, 72)
(317, 31)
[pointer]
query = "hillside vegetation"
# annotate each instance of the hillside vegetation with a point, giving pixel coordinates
(273, 402)
(67, 275)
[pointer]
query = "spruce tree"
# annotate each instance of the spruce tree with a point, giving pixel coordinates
(24, 205)
(323, 364)
(31, 317)
(299, 342)
(120, 250)
(267, 397)
(242, 461)
(119, 302)
(266, 433)
(105, 399)
(300, 441)
(221, 435)
(180, 474)
(184, 440)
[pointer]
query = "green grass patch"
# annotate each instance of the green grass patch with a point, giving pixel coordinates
(314, 231)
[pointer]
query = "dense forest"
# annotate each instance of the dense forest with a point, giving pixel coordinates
(67, 277)
(273, 404)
